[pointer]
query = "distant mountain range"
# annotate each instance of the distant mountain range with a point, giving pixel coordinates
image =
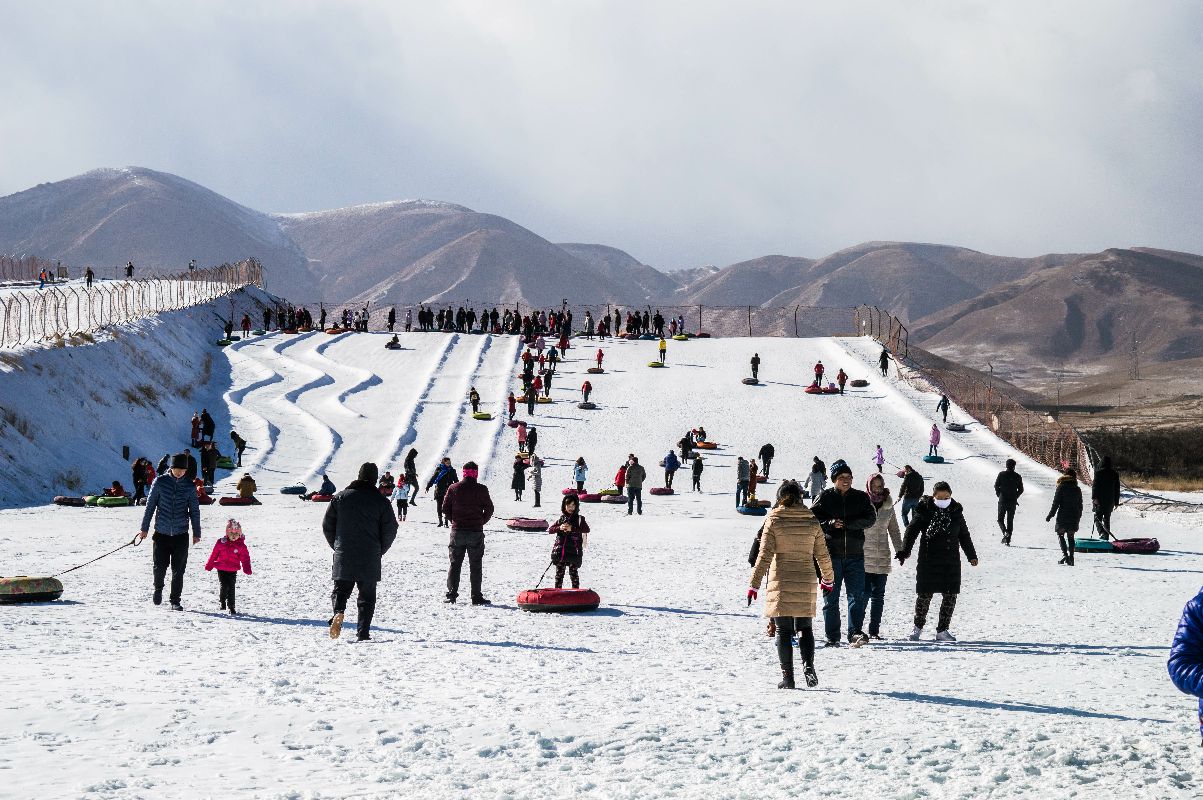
(1028, 318)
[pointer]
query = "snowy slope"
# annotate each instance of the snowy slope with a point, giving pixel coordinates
(1057, 688)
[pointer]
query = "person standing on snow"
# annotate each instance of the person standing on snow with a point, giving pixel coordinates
(442, 480)
(819, 373)
(742, 475)
(883, 362)
(940, 521)
(1067, 508)
(360, 528)
(536, 477)
(600, 356)
(817, 480)
(411, 475)
(663, 350)
(586, 388)
(879, 457)
(208, 426)
(196, 429)
(767, 452)
(469, 508)
(518, 483)
(636, 475)
(1008, 486)
(1186, 653)
(911, 492)
(239, 446)
(173, 504)
(791, 544)
(532, 439)
(671, 465)
(511, 405)
(841, 378)
(942, 407)
(845, 513)
(878, 538)
(572, 536)
(756, 366)
(580, 472)
(230, 553)
(933, 441)
(1105, 496)
(697, 473)
(474, 399)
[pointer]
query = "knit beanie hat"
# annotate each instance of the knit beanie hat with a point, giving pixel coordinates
(233, 526)
(179, 461)
(368, 472)
(840, 468)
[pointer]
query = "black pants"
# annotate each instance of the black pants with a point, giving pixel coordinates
(697, 482)
(228, 580)
(1102, 520)
(1006, 516)
(476, 557)
(634, 498)
(573, 575)
(209, 476)
(536, 498)
(402, 509)
(475, 406)
(948, 604)
(366, 602)
(171, 551)
(786, 628)
(668, 479)
(239, 452)
(139, 492)
(768, 462)
(438, 507)
(755, 373)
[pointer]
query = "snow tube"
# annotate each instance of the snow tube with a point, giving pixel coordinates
(527, 524)
(680, 337)
(113, 502)
(558, 600)
(703, 335)
(296, 488)
(752, 511)
(813, 389)
(514, 423)
(750, 381)
(612, 490)
(26, 589)
(205, 501)
(482, 415)
(614, 498)
(659, 490)
(392, 346)
(542, 399)
(90, 499)
(934, 459)
(69, 501)
(570, 490)
(334, 330)
(225, 462)
(1093, 546)
(288, 330)
(759, 504)
(590, 498)
(956, 427)
(320, 498)
(259, 332)
(655, 364)
(224, 342)
(587, 406)
(237, 501)
(647, 337)
(1143, 546)
(595, 370)
(706, 446)
(859, 383)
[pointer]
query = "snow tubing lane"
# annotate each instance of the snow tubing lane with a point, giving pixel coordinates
(859, 383)
(1093, 546)
(706, 446)
(1140, 546)
(750, 381)
(236, 501)
(26, 589)
(614, 498)
(660, 490)
(482, 415)
(527, 524)
(587, 406)
(655, 364)
(561, 601)
(590, 498)
(69, 501)
(752, 511)
(296, 488)
(320, 498)
(113, 502)
(934, 459)
(595, 370)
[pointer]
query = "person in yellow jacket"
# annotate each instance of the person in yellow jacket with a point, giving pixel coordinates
(663, 349)
(247, 487)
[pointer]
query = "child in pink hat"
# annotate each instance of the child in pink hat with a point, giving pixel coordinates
(229, 554)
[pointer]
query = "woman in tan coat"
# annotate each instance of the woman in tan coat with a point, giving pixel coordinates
(791, 542)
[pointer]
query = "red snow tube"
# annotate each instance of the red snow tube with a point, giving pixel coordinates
(613, 498)
(558, 600)
(320, 498)
(206, 500)
(527, 524)
(236, 501)
(590, 498)
(816, 389)
(69, 501)
(1143, 546)
(514, 423)
(706, 446)
(572, 491)
(660, 490)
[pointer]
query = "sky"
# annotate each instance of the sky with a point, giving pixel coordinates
(687, 133)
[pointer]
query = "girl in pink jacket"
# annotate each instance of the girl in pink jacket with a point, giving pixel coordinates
(229, 554)
(933, 441)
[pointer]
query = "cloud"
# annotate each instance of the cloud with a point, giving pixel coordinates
(686, 133)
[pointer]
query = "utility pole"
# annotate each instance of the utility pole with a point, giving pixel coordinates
(1135, 355)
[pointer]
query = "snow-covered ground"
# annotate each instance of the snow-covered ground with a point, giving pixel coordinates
(1057, 688)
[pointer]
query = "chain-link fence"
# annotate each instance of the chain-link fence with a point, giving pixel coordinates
(81, 306)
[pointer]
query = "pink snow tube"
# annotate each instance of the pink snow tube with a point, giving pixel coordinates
(572, 491)
(658, 490)
(527, 524)
(589, 497)
(613, 498)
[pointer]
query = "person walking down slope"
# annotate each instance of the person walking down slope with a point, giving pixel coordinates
(230, 553)
(518, 483)
(933, 441)
(474, 399)
(883, 362)
(360, 528)
(196, 429)
(940, 521)
(1008, 486)
(636, 475)
(697, 473)
(1105, 496)
(1067, 508)
(173, 505)
(444, 476)
(671, 465)
(767, 452)
(791, 544)
(942, 406)
(469, 508)
(756, 366)
(663, 350)
(879, 457)
(845, 513)
(1186, 653)
(511, 405)
(878, 538)
(572, 536)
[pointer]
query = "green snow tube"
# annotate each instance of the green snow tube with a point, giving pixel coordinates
(90, 500)
(1092, 546)
(224, 342)
(112, 502)
(24, 589)
(655, 364)
(225, 462)
(934, 459)
(482, 415)
(258, 333)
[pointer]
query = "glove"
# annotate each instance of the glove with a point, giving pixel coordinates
(901, 558)
(826, 586)
(751, 596)
(1049, 518)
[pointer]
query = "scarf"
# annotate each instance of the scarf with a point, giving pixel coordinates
(883, 496)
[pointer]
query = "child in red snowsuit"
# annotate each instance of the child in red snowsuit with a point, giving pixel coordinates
(229, 554)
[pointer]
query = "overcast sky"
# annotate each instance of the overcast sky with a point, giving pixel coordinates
(686, 133)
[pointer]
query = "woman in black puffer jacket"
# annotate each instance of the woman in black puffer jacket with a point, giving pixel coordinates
(1067, 508)
(940, 521)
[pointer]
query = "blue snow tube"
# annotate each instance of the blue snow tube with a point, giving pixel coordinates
(752, 511)
(296, 488)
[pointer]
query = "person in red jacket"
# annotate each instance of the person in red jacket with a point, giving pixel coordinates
(841, 378)
(511, 403)
(600, 356)
(819, 374)
(586, 388)
(246, 326)
(229, 554)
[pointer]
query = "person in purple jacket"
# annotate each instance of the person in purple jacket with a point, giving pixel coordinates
(1186, 653)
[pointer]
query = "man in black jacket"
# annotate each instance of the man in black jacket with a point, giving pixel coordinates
(209, 456)
(844, 513)
(766, 459)
(208, 426)
(911, 492)
(442, 479)
(360, 527)
(1008, 486)
(1104, 496)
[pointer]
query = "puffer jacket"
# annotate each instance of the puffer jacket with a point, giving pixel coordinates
(228, 556)
(360, 527)
(569, 548)
(636, 475)
(579, 473)
(1186, 653)
(671, 464)
(518, 482)
(791, 543)
(468, 506)
(815, 483)
(938, 569)
(247, 487)
(536, 474)
(855, 510)
(1067, 504)
(878, 538)
(175, 501)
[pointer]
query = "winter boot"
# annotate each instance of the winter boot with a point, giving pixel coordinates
(1064, 552)
(176, 607)
(916, 634)
(1069, 548)
(945, 636)
(336, 625)
(158, 598)
(787, 677)
(812, 677)
(858, 639)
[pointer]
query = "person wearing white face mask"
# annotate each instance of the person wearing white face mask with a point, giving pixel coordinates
(940, 521)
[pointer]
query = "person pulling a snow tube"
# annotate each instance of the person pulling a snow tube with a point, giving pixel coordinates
(1067, 508)
(572, 536)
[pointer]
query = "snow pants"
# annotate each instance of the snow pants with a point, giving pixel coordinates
(908, 505)
(668, 478)
(1102, 521)
(786, 628)
(697, 482)
(171, 551)
(851, 573)
(948, 604)
(768, 462)
(1006, 516)
(634, 498)
(476, 558)
(875, 592)
(365, 603)
(741, 493)
(228, 579)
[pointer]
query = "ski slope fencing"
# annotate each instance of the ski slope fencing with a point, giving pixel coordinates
(1036, 435)
(61, 310)
(27, 268)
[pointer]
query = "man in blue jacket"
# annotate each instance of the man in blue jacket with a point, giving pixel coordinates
(173, 496)
(1186, 654)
